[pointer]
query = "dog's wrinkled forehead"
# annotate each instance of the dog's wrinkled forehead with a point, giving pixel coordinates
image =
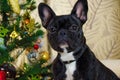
(65, 21)
(77, 15)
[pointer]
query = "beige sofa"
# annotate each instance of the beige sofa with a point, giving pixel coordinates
(102, 29)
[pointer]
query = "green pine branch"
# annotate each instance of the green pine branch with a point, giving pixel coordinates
(4, 56)
(13, 22)
(35, 71)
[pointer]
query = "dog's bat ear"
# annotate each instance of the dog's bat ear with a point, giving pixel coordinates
(46, 14)
(80, 10)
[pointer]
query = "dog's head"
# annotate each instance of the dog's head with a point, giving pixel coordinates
(64, 31)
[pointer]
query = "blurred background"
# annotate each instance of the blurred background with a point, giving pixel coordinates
(23, 41)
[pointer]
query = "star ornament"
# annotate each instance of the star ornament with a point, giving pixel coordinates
(14, 34)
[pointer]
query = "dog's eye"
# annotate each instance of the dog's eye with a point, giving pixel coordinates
(52, 29)
(74, 28)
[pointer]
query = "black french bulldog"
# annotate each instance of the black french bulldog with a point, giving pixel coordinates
(75, 60)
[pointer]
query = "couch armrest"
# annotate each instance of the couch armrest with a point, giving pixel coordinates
(113, 64)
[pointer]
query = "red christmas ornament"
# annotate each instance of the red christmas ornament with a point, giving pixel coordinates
(36, 46)
(2, 74)
(10, 70)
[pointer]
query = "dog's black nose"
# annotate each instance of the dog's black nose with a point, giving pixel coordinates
(62, 33)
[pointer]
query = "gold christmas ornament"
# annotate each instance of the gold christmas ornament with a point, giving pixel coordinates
(45, 55)
(15, 6)
(14, 34)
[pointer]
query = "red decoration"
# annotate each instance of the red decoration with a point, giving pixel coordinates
(36, 46)
(10, 70)
(2, 74)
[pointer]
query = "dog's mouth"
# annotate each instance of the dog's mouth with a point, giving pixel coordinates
(63, 44)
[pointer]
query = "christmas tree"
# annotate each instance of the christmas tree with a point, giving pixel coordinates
(21, 36)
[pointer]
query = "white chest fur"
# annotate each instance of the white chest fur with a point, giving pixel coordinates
(71, 67)
(70, 70)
